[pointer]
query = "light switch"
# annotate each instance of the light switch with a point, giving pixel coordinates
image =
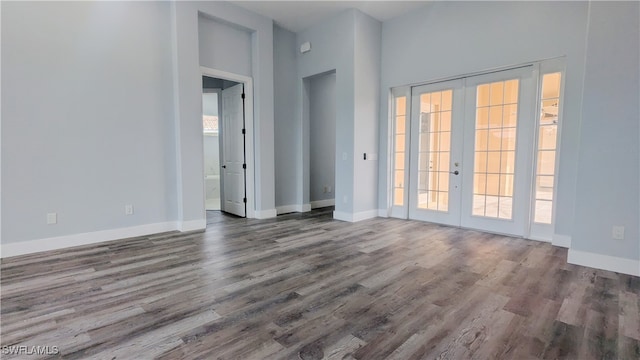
(52, 218)
(618, 232)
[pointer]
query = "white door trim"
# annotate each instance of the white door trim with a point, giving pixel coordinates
(249, 126)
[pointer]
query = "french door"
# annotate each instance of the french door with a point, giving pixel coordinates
(436, 152)
(497, 159)
(469, 155)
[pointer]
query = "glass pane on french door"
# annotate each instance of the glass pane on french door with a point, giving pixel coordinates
(494, 152)
(436, 123)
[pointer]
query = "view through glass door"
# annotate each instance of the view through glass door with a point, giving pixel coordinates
(470, 151)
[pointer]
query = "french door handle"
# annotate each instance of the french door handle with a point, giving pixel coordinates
(224, 166)
(454, 172)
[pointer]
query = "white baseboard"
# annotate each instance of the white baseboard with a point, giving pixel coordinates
(285, 209)
(604, 262)
(265, 214)
(538, 238)
(192, 225)
(323, 203)
(561, 240)
(384, 213)
(61, 242)
(343, 216)
(355, 217)
(364, 215)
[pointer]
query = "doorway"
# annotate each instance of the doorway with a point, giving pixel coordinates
(211, 140)
(224, 145)
(321, 91)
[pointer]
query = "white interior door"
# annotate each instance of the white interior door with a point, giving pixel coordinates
(233, 157)
(497, 162)
(436, 152)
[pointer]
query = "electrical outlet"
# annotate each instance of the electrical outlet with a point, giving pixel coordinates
(52, 218)
(128, 209)
(325, 189)
(617, 232)
(329, 189)
(344, 156)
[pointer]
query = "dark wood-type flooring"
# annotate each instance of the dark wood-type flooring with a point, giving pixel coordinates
(306, 286)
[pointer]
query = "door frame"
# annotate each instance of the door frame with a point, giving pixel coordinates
(249, 131)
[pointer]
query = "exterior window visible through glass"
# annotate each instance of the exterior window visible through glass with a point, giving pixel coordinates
(434, 150)
(495, 145)
(547, 142)
(400, 117)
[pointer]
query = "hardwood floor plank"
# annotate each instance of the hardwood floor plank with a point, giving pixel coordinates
(304, 286)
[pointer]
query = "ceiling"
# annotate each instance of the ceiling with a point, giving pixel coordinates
(300, 15)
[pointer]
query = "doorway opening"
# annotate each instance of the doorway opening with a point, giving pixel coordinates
(223, 124)
(320, 111)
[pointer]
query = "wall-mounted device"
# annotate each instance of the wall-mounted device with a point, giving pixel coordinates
(305, 47)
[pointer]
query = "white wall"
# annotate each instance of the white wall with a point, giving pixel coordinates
(211, 155)
(286, 118)
(187, 79)
(224, 47)
(100, 134)
(322, 132)
(608, 186)
(452, 38)
(211, 141)
(210, 103)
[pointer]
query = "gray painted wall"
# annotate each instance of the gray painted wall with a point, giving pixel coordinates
(286, 117)
(101, 133)
(465, 37)
(322, 133)
(223, 46)
(608, 186)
